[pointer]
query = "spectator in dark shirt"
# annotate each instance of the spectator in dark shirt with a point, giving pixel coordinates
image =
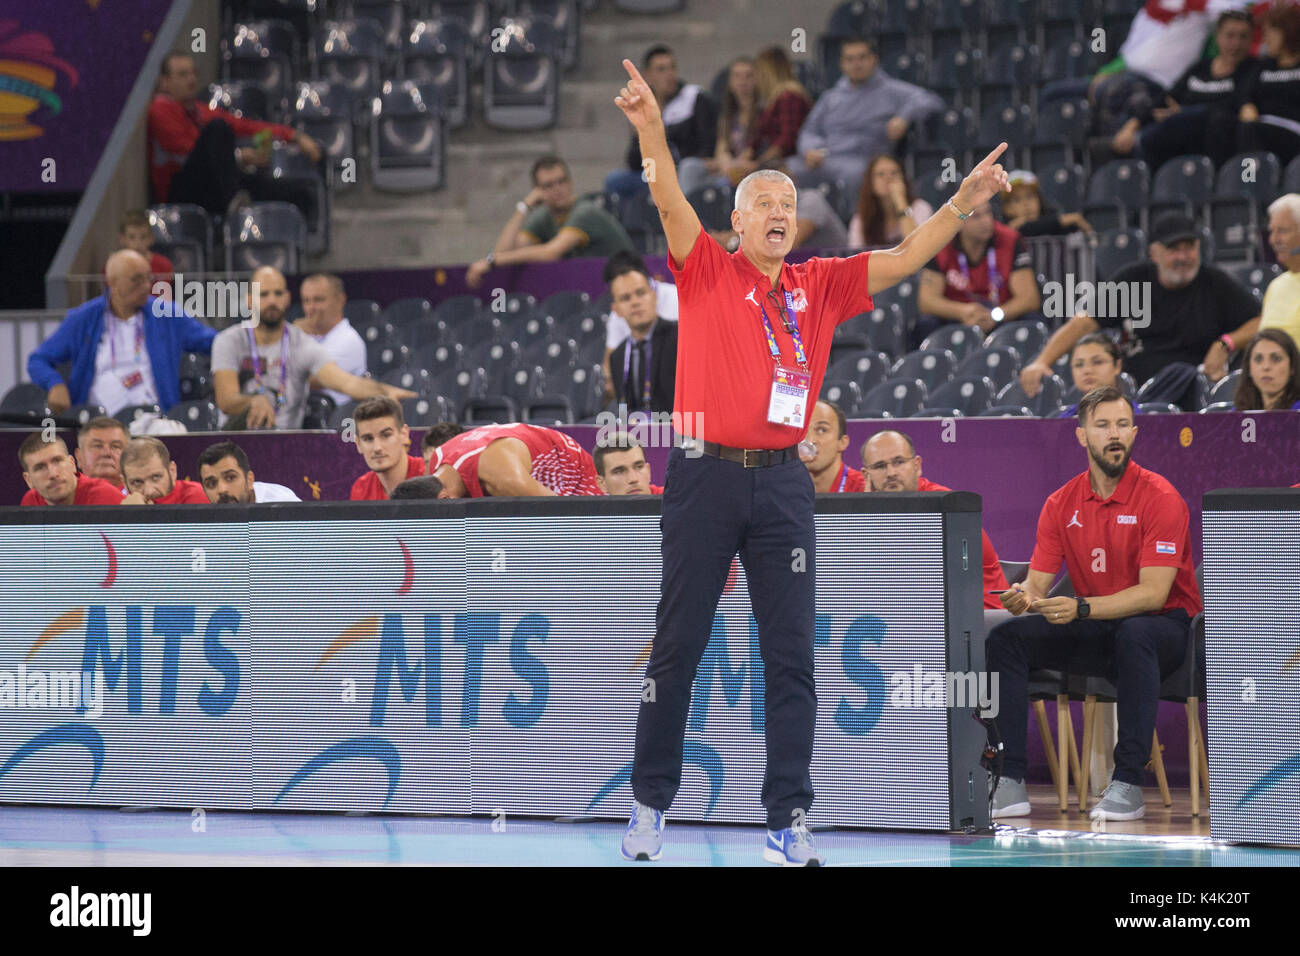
(1270, 376)
(1094, 363)
(643, 367)
(1194, 313)
(192, 148)
(1024, 211)
(1200, 111)
(1270, 115)
(981, 278)
(690, 119)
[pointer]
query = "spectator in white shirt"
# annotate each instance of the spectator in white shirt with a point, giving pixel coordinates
(323, 299)
(227, 478)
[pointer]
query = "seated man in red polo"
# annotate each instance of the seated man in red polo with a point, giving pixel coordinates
(982, 278)
(52, 477)
(892, 464)
(504, 461)
(384, 440)
(150, 476)
(1122, 532)
(828, 431)
(621, 468)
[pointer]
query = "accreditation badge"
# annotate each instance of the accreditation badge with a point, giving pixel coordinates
(789, 404)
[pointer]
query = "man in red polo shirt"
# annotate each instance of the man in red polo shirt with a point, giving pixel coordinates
(828, 432)
(150, 476)
(52, 477)
(621, 468)
(754, 335)
(983, 277)
(1122, 532)
(503, 461)
(892, 464)
(383, 439)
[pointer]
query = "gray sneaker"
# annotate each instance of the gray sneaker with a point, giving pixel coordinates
(1010, 799)
(1121, 801)
(644, 839)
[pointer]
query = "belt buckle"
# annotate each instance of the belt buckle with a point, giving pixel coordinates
(755, 452)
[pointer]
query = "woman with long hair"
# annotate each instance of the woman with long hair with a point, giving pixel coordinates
(1270, 374)
(888, 209)
(735, 120)
(784, 104)
(1270, 114)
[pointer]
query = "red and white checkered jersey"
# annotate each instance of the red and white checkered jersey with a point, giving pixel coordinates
(559, 462)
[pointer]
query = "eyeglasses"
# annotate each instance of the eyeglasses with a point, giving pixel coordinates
(892, 463)
(553, 183)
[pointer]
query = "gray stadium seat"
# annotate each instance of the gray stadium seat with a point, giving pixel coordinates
(389, 14)
(437, 53)
(1119, 248)
(999, 364)
(197, 416)
(1127, 181)
(1007, 411)
(867, 369)
(317, 411)
(1255, 176)
(408, 138)
(129, 413)
(183, 233)
(244, 98)
(894, 398)
(488, 409)
(324, 111)
(263, 52)
(411, 377)
(1026, 336)
(960, 340)
(521, 79)
(266, 234)
(289, 163)
(969, 395)
(425, 410)
(1188, 178)
(78, 415)
(931, 367)
(548, 410)
(351, 53)
(1062, 187)
(1044, 404)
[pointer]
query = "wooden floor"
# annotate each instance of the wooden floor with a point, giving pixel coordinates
(1160, 820)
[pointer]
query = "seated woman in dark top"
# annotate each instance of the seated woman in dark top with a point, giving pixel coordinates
(1094, 363)
(1023, 209)
(1270, 115)
(1200, 111)
(1270, 374)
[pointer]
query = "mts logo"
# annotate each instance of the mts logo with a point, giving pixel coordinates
(855, 720)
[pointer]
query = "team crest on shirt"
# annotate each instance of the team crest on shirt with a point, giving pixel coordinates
(799, 300)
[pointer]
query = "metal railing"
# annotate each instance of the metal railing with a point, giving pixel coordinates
(21, 331)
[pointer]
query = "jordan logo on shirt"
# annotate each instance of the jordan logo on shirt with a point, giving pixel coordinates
(1074, 521)
(751, 298)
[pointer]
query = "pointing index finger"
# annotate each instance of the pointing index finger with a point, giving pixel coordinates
(635, 74)
(991, 158)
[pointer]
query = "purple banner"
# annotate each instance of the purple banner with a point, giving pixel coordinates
(65, 71)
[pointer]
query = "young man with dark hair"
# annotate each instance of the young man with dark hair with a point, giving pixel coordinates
(664, 294)
(420, 487)
(550, 224)
(227, 478)
(150, 476)
(621, 468)
(891, 463)
(828, 431)
(134, 232)
(1122, 532)
(384, 440)
(100, 443)
(439, 434)
(512, 461)
(52, 477)
(643, 367)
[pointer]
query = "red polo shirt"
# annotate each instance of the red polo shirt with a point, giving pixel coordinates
(1105, 543)
(972, 282)
(558, 462)
(724, 366)
(369, 488)
(90, 491)
(849, 479)
(183, 493)
(656, 489)
(994, 579)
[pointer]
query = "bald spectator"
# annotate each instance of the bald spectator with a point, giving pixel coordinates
(1282, 297)
(384, 441)
(52, 477)
(227, 478)
(550, 224)
(892, 464)
(100, 443)
(323, 299)
(150, 476)
(864, 114)
(982, 278)
(828, 431)
(125, 347)
(266, 386)
(621, 468)
(192, 156)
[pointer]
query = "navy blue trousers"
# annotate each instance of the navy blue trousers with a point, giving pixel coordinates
(712, 510)
(1135, 653)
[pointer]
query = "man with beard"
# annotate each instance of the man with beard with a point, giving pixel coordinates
(227, 478)
(260, 372)
(1195, 313)
(891, 464)
(828, 431)
(150, 476)
(1122, 532)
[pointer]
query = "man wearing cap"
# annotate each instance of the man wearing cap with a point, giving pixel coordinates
(754, 335)
(982, 278)
(1182, 313)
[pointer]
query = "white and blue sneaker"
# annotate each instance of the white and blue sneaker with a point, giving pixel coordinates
(792, 847)
(644, 839)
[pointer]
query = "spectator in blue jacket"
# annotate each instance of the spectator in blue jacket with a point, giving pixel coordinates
(125, 347)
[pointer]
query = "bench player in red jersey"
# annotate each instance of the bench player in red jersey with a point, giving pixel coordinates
(511, 461)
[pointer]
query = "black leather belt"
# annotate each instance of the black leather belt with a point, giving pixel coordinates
(750, 457)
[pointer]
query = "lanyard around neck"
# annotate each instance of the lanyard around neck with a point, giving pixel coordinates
(791, 326)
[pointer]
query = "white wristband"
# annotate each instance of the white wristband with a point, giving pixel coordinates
(522, 208)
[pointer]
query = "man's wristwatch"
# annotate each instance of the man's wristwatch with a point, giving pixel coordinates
(490, 259)
(523, 208)
(1084, 609)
